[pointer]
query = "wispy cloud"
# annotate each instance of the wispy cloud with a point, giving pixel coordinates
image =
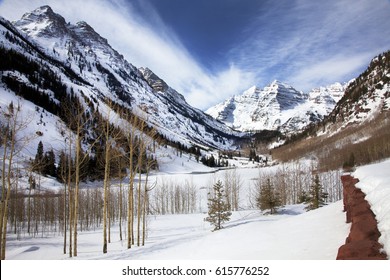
(336, 68)
(145, 42)
(312, 42)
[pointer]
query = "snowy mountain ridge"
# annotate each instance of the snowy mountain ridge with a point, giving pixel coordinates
(277, 106)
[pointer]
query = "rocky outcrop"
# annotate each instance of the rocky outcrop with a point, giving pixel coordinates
(362, 241)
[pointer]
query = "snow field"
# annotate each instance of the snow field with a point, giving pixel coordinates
(291, 235)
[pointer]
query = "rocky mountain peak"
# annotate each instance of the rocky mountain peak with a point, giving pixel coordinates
(42, 21)
(278, 106)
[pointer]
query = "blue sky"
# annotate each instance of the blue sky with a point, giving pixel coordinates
(209, 50)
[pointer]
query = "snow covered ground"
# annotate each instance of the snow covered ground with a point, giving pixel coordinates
(291, 235)
(248, 239)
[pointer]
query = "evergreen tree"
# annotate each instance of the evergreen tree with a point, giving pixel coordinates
(62, 169)
(218, 208)
(268, 198)
(39, 159)
(317, 196)
(303, 197)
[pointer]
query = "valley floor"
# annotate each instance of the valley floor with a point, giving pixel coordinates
(293, 234)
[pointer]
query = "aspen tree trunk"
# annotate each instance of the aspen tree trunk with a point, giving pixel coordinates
(139, 209)
(70, 203)
(29, 210)
(76, 194)
(120, 199)
(16, 200)
(65, 215)
(4, 217)
(105, 199)
(130, 206)
(144, 209)
(70, 222)
(130, 210)
(3, 192)
(142, 151)
(105, 182)
(109, 214)
(5, 211)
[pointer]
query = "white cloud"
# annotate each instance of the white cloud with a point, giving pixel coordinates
(324, 72)
(214, 89)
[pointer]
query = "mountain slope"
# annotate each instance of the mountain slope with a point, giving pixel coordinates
(366, 98)
(357, 131)
(87, 65)
(277, 107)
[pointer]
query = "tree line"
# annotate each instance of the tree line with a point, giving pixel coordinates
(107, 153)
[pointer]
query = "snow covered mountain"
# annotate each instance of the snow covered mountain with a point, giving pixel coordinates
(277, 107)
(357, 130)
(88, 66)
(367, 98)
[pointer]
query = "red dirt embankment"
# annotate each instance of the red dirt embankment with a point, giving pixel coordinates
(362, 241)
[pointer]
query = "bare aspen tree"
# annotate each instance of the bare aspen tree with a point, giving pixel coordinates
(148, 166)
(145, 202)
(80, 158)
(3, 187)
(130, 128)
(6, 186)
(70, 196)
(63, 176)
(76, 114)
(281, 184)
(228, 189)
(67, 175)
(77, 181)
(236, 189)
(119, 158)
(12, 145)
(233, 185)
(106, 178)
(141, 153)
(110, 137)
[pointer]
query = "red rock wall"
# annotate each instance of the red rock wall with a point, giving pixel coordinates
(362, 241)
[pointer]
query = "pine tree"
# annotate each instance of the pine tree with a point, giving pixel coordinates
(268, 198)
(317, 196)
(38, 161)
(218, 208)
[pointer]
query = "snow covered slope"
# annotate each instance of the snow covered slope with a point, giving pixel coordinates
(92, 69)
(366, 98)
(292, 235)
(277, 107)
